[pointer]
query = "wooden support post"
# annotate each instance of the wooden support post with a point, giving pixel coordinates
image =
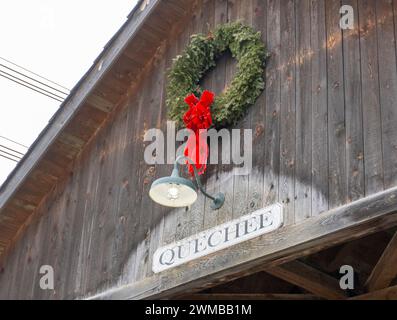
(385, 270)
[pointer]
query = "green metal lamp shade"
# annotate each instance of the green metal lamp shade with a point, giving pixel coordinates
(173, 191)
(178, 192)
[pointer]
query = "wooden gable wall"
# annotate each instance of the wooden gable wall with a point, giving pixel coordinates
(325, 135)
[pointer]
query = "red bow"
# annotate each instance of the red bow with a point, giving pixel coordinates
(198, 118)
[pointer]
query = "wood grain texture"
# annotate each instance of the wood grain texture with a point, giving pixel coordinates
(219, 82)
(385, 270)
(52, 140)
(336, 107)
(257, 120)
(372, 122)
(310, 279)
(354, 112)
(388, 84)
(353, 221)
(320, 162)
(272, 118)
(303, 182)
(323, 136)
(288, 109)
(226, 179)
(240, 205)
(385, 294)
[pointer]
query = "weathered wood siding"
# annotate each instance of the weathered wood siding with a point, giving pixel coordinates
(325, 134)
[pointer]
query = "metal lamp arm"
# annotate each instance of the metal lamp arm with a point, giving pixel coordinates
(196, 175)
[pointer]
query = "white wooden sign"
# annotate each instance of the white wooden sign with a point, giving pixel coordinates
(223, 236)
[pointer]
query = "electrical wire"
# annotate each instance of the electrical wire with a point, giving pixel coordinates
(20, 144)
(24, 75)
(1, 75)
(9, 158)
(30, 84)
(34, 73)
(10, 154)
(10, 149)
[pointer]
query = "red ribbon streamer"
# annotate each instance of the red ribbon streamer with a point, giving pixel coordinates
(198, 118)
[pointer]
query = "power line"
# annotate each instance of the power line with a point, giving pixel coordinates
(22, 145)
(49, 96)
(24, 75)
(10, 154)
(9, 158)
(31, 84)
(34, 73)
(10, 149)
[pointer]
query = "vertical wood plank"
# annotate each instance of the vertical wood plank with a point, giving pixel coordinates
(148, 222)
(241, 181)
(303, 179)
(197, 211)
(169, 216)
(146, 171)
(126, 255)
(272, 123)
(21, 268)
(226, 177)
(288, 111)
(388, 88)
(156, 219)
(121, 183)
(31, 274)
(162, 170)
(114, 236)
(319, 108)
(44, 252)
(13, 259)
(58, 219)
(354, 113)
(216, 11)
(75, 267)
(218, 85)
(336, 107)
(204, 25)
(106, 202)
(195, 26)
(373, 161)
(71, 193)
(48, 257)
(257, 120)
(132, 184)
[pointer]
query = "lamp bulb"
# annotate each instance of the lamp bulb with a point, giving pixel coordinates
(173, 192)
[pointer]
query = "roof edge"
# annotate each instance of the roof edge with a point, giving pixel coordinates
(79, 94)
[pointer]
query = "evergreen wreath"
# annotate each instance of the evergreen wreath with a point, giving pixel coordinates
(201, 55)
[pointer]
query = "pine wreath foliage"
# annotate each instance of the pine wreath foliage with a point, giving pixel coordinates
(201, 55)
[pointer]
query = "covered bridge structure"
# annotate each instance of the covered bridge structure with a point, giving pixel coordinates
(325, 149)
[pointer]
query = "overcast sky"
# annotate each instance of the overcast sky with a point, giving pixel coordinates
(58, 39)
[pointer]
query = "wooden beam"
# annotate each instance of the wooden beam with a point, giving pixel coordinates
(385, 270)
(310, 279)
(384, 294)
(346, 223)
(261, 296)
